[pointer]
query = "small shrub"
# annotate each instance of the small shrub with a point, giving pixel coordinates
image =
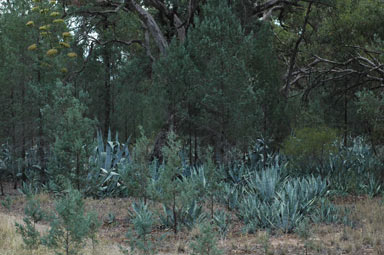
(136, 173)
(266, 244)
(169, 187)
(310, 146)
(139, 239)
(205, 241)
(70, 227)
(303, 229)
(7, 203)
(223, 222)
(33, 214)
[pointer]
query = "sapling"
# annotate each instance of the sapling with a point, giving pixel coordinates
(205, 182)
(205, 241)
(213, 181)
(7, 203)
(169, 188)
(70, 227)
(142, 219)
(33, 214)
(136, 173)
(303, 230)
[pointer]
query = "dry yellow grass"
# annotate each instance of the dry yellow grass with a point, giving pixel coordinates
(366, 238)
(12, 244)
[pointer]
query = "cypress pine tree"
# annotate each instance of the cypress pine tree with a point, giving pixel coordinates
(73, 134)
(70, 226)
(219, 84)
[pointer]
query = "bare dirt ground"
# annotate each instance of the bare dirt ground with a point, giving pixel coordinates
(366, 238)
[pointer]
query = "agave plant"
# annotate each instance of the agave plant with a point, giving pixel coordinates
(110, 154)
(372, 186)
(235, 172)
(279, 204)
(262, 156)
(3, 173)
(288, 215)
(326, 213)
(6, 165)
(353, 169)
(230, 196)
(223, 222)
(265, 183)
(256, 214)
(104, 179)
(188, 216)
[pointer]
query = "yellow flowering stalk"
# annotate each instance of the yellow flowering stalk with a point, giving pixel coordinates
(30, 23)
(55, 14)
(43, 33)
(52, 52)
(52, 2)
(43, 27)
(72, 55)
(58, 21)
(44, 64)
(64, 44)
(67, 34)
(32, 47)
(64, 70)
(36, 8)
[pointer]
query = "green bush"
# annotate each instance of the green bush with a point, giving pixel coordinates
(168, 188)
(33, 215)
(139, 240)
(70, 226)
(136, 173)
(309, 147)
(204, 242)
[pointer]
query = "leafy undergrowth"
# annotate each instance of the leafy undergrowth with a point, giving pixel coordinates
(366, 237)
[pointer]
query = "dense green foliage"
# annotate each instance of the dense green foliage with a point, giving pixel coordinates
(267, 110)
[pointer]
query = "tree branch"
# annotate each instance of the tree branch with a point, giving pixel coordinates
(296, 50)
(151, 24)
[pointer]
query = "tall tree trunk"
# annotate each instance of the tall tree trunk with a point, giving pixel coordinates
(14, 141)
(23, 138)
(41, 142)
(107, 88)
(125, 128)
(78, 170)
(265, 130)
(175, 222)
(23, 120)
(190, 135)
(345, 114)
(196, 156)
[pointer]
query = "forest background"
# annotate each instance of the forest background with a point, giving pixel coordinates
(292, 76)
(265, 107)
